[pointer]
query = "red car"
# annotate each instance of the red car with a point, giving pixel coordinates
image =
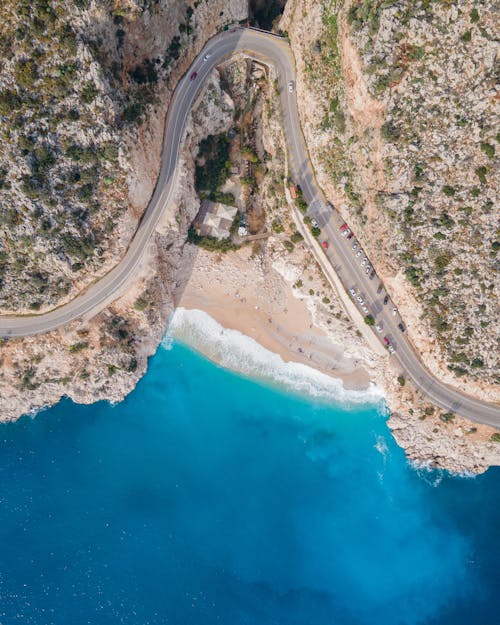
(343, 227)
(325, 244)
(386, 340)
(193, 75)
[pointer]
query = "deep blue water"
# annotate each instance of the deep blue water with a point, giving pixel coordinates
(207, 498)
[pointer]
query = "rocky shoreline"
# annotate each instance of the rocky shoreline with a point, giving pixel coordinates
(272, 292)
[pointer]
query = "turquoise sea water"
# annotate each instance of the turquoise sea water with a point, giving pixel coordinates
(206, 498)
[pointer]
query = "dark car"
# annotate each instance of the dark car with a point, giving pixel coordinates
(193, 75)
(386, 299)
(372, 274)
(401, 327)
(379, 290)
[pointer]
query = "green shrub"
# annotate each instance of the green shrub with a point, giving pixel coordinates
(277, 226)
(390, 132)
(477, 363)
(446, 417)
(132, 113)
(466, 36)
(288, 245)
(401, 380)
(296, 237)
(210, 243)
(448, 191)
(369, 320)
(26, 73)
(77, 347)
(140, 304)
(474, 15)
(481, 173)
(88, 92)
(495, 438)
(9, 102)
(248, 154)
(488, 149)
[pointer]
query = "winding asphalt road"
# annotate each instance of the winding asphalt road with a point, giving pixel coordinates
(276, 51)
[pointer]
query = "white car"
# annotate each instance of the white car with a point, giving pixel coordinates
(363, 262)
(314, 223)
(290, 87)
(360, 299)
(391, 349)
(355, 245)
(346, 232)
(364, 309)
(394, 311)
(358, 253)
(206, 57)
(378, 328)
(367, 270)
(352, 292)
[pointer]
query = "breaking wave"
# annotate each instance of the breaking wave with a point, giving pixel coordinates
(238, 352)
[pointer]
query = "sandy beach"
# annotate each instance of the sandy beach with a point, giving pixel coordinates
(243, 292)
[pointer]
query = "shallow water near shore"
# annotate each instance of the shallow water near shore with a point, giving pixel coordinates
(206, 498)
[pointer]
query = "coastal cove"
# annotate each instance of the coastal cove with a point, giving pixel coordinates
(207, 497)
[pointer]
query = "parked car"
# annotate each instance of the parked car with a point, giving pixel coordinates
(360, 299)
(290, 87)
(343, 227)
(386, 340)
(368, 269)
(365, 309)
(193, 75)
(358, 253)
(372, 275)
(350, 235)
(314, 223)
(401, 327)
(378, 327)
(325, 245)
(352, 292)
(386, 299)
(364, 261)
(379, 290)
(394, 311)
(346, 233)
(391, 349)
(355, 245)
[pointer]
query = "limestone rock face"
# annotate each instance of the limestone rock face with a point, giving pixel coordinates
(398, 102)
(114, 144)
(84, 87)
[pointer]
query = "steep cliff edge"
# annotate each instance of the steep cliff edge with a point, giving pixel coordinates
(102, 358)
(398, 104)
(84, 87)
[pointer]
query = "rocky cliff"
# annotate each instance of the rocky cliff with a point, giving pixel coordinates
(84, 87)
(153, 43)
(398, 102)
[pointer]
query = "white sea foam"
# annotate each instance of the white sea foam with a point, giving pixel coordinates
(236, 351)
(381, 446)
(434, 476)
